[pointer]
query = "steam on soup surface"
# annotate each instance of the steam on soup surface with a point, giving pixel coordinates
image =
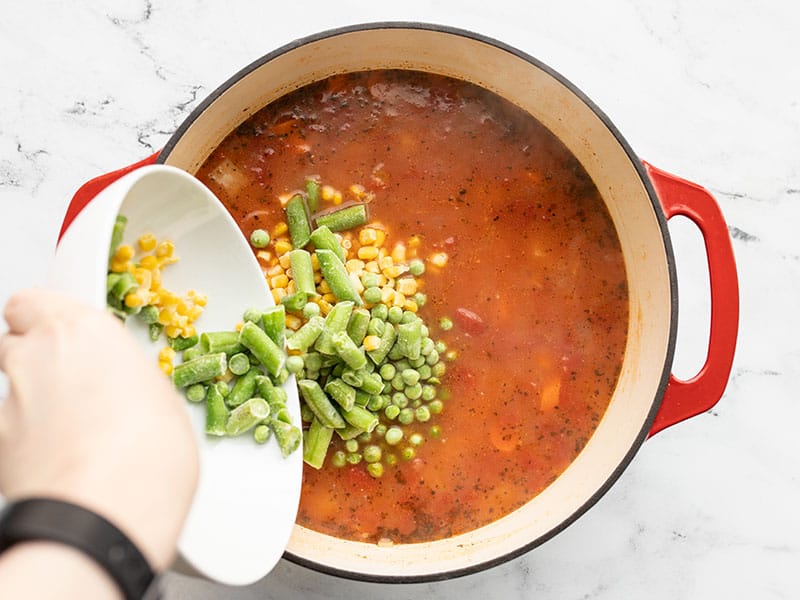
(534, 284)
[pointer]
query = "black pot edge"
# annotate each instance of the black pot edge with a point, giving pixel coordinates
(662, 222)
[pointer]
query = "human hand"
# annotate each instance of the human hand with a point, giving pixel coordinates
(89, 419)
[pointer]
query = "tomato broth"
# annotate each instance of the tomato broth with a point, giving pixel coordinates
(535, 285)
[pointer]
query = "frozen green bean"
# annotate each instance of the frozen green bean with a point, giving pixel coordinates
(246, 416)
(302, 271)
(358, 325)
(273, 320)
(239, 363)
(294, 302)
(317, 439)
(341, 219)
(319, 403)
(302, 339)
(387, 341)
(297, 219)
(409, 339)
(117, 233)
(336, 321)
(360, 417)
(352, 355)
(221, 341)
(216, 412)
(263, 347)
(149, 314)
(312, 194)
(344, 394)
(288, 436)
(243, 388)
(349, 432)
(200, 369)
(336, 275)
(323, 239)
(196, 392)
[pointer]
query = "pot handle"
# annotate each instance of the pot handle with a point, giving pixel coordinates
(686, 398)
(91, 188)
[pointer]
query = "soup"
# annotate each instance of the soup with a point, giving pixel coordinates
(534, 285)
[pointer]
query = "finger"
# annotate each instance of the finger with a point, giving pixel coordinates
(8, 344)
(28, 307)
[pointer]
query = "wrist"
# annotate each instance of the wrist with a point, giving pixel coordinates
(73, 526)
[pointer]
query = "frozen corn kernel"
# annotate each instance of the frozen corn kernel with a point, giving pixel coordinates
(387, 295)
(119, 266)
(399, 299)
(264, 256)
(414, 241)
(282, 246)
(367, 236)
(380, 237)
(439, 259)
(279, 281)
(166, 367)
(323, 287)
(134, 300)
(367, 252)
(411, 305)
(147, 242)
(372, 267)
(354, 266)
(280, 229)
(149, 262)
(329, 298)
(165, 249)
(399, 252)
(277, 294)
(124, 252)
(327, 192)
(337, 197)
(406, 286)
(293, 322)
(166, 353)
(324, 306)
(371, 342)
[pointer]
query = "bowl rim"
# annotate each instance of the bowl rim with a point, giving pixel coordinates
(642, 435)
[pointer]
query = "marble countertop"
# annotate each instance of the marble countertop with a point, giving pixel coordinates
(708, 90)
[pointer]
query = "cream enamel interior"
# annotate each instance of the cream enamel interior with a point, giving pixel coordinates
(585, 134)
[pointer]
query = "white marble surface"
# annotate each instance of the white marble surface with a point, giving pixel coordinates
(709, 90)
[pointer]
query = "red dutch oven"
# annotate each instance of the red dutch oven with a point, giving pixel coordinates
(640, 199)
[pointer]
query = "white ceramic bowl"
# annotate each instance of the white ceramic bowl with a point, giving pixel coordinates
(247, 499)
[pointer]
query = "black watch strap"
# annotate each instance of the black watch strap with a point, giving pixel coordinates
(55, 520)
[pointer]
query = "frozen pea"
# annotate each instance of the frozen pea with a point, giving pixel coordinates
(416, 267)
(408, 453)
(388, 371)
(369, 279)
(428, 392)
(311, 309)
(424, 372)
(416, 439)
(410, 376)
(436, 407)
(399, 400)
(259, 238)
(372, 453)
(372, 295)
(395, 315)
(353, 458)
(421, 299)
(406, 416)
(436, 431)
(339, 459)
(440, 347)
(351, 445)
(375, 469)
(294, 364)
(391, 412)
(390, 459)
(408, 317)
(413, 392)
(380, 430)
(393, 436)
(438, 369)
(422, 414)
(380, 311)
(445, 323)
